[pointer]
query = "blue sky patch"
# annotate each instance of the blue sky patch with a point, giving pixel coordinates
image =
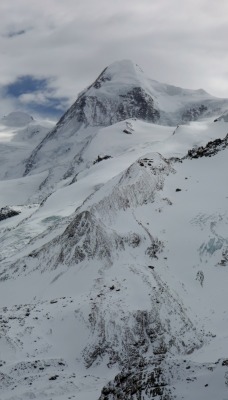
(52, 106)
(26, 84)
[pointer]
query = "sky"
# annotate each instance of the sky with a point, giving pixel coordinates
(52, 49)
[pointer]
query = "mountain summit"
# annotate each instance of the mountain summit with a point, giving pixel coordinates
(120, 73)
(117, 94)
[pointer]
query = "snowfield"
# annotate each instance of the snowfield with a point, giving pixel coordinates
(114, 253)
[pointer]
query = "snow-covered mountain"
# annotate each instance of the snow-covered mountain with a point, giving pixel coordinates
(115, 285)
(17, 119)
(121, 92)
(19, 135)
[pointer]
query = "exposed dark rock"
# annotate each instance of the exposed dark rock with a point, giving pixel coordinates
(192, 114)
(134, 240)
(224, 260)
(53, 378)
(137, 384)
(155, 248)
(100, 158)
(137, 104)
(7, 212)
(200, 277)
(211, 148)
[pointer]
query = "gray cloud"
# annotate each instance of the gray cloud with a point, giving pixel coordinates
(182, 43)
(15, 33)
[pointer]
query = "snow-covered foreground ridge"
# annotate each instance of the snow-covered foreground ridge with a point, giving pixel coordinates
(114, 286)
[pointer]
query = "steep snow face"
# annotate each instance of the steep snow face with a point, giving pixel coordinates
(120, 72)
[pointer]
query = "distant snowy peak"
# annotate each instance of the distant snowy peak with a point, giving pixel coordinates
(123, 91)
(16, 119)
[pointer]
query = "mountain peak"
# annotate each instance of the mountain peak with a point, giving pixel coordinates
(123, 72)
(121, 92)
(124, 67)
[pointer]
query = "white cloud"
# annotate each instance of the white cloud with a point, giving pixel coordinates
(71, 41)
(35, 97)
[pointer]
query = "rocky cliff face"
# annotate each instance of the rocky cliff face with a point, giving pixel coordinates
(193, 114)
(96, 110)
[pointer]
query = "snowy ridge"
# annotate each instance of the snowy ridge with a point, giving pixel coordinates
(89, 234)
(138, 185)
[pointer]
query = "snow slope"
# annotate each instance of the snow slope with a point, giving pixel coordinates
(114, 286)
(123, 263)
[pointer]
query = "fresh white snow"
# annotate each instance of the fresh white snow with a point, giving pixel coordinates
(124, 262)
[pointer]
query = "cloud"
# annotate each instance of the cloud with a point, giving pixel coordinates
(15, 33)
(67, 43)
